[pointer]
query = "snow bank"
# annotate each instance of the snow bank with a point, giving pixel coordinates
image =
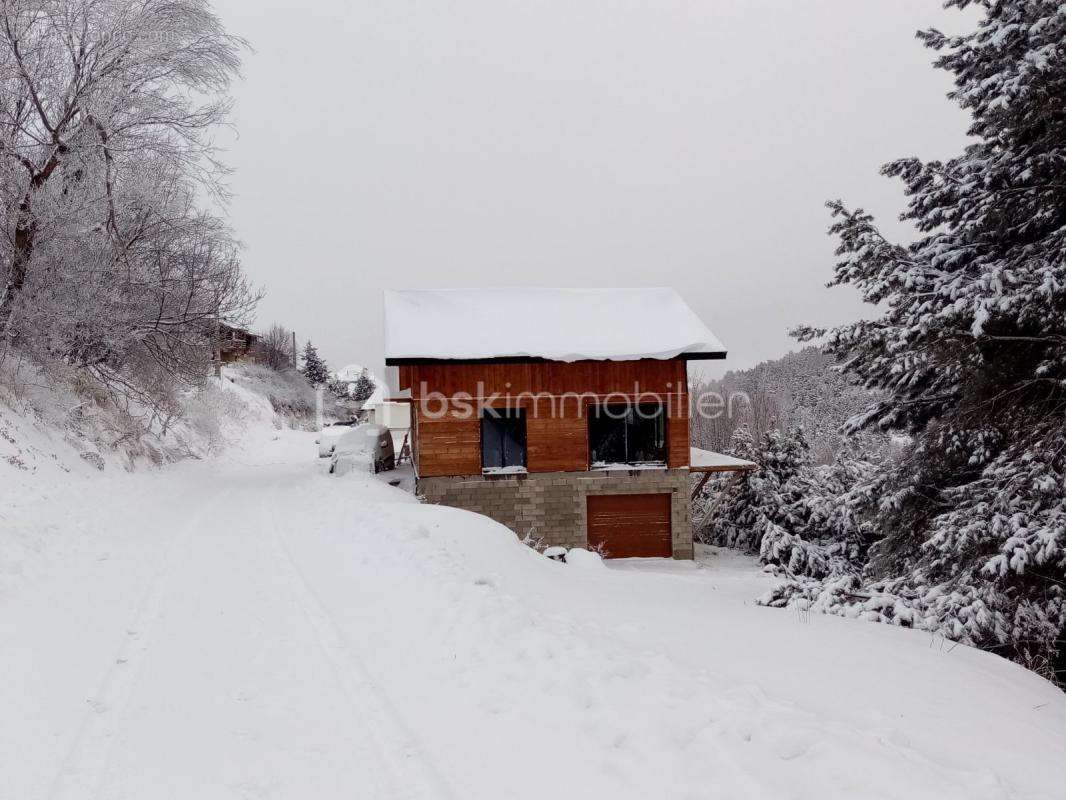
(585, 559)
(62, 434)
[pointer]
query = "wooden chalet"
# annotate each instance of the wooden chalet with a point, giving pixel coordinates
(235, 343)
(561, 413)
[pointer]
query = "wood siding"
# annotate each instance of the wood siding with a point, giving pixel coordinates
(556, 396)
(450, 445)
(630, 525)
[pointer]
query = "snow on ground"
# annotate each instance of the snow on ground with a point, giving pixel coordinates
(250, 627)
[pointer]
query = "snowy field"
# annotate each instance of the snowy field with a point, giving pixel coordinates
(249, 627)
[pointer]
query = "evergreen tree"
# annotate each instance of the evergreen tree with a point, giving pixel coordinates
(772, 494)
(364, 386)
(969, 354)
(314, 368)
(339, 388)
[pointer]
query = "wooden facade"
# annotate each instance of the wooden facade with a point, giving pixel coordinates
(235, 344)
(556, 396)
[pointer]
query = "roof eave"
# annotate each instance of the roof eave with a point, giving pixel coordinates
(412, 361)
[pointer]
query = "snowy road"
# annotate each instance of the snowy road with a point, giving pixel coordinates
(252, 628)
(233, 666)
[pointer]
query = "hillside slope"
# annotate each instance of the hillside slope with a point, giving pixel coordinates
(801, 388)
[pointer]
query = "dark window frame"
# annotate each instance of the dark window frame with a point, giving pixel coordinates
(507, 440)
(627, 420)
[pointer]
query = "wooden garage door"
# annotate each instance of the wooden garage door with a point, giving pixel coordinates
(629, 525)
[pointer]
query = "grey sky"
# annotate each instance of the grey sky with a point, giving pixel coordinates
(432, 144)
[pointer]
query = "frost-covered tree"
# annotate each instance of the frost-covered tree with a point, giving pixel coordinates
(107, 111)
(969, 354)
(363, 387)
(314, 368)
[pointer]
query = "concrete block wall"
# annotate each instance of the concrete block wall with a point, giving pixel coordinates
(552, 504)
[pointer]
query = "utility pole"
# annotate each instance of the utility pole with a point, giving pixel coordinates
(218, 339)
(294, 349)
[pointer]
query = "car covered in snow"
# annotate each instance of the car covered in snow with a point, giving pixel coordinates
(367, 447)
(329, 436)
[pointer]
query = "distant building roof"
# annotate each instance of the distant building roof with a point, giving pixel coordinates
(552, 324)
(351, 373)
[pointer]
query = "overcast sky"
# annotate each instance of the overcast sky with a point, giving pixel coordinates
(433, 144)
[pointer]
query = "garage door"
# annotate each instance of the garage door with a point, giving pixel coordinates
(629, 525)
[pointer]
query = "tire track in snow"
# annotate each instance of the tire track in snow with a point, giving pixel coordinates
(409, 770)
(84, 767)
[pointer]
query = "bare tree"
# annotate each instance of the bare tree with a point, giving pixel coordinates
(274, 348)
(106, 262)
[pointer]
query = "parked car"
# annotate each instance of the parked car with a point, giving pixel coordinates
(365, 447)
(330, 435)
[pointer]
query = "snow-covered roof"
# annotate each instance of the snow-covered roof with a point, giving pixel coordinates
(709, 461)
(554, 324)
(238, 326)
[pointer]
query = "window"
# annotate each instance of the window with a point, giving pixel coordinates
(503, 439)
(627, 434)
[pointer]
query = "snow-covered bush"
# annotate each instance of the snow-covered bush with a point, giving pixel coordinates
(106, 428)
(793, 554)
(289, 393)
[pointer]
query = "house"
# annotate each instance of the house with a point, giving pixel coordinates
(235, 343)
(393, 414)
(561, 413)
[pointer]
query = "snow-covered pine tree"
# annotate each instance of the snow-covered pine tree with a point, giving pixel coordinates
(970, 353)
(314, 368)
(364, 386)
(338, 388)
(771, 494)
